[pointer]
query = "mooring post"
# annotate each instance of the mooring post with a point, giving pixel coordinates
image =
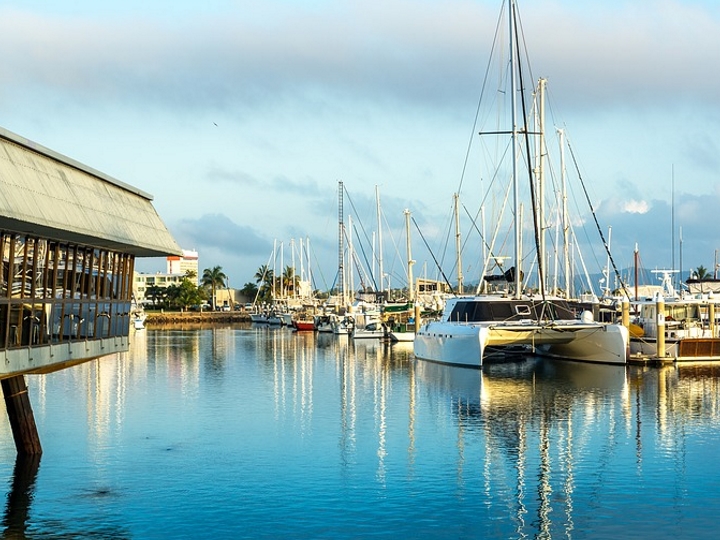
(660, 308)
(20, 414)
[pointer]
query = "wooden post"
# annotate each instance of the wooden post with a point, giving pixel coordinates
(711, 319)
(660, 341)
(22, 421)
(418, 322)
(626, 314)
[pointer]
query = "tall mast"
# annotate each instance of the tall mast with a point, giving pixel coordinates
(542, 268)
(411, 288)
(565, 224)
(458, 253)
(636, 271)
(341, 234)
(274, 267)
(292, 273)
(351, 259)
(380, 244)
(309, 271)
(302, 262)
(513, 92)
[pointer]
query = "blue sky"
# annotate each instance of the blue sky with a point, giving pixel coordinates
(241, 117)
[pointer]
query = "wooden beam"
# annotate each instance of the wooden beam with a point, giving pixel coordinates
(22, 421)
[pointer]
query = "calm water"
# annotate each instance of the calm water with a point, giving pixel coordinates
(251, 432)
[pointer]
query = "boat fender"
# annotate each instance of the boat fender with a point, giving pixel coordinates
(586, 316)
(636, 330)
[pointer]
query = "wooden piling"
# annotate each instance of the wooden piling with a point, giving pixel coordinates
(660, 321)
(20, 414)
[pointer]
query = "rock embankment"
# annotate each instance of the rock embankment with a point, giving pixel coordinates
(172, 317)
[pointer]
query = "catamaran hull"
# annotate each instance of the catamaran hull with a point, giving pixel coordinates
(467, 344)
(607, 344)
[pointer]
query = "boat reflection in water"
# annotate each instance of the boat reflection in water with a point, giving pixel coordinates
(268, 433)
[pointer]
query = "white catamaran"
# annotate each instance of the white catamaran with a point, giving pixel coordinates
(472, 326)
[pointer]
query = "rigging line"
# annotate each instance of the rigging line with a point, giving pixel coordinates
(597, 224)
(480, 99)
(533, 196)
(367, 239)
(360, 269)
(433, 256)
(473, 222)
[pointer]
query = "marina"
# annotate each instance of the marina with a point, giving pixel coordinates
(254, 431)
(516, 389)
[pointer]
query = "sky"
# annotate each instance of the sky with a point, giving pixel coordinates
(241, 117)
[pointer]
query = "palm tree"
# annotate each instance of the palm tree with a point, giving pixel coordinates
(702, 273)
(214, 278)
(265, 276)
(290, 280)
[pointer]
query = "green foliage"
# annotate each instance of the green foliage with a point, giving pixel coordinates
(213, 278)
(249, 290)
(183, 295)
(265, 277)
(157, 295)
(702, 273)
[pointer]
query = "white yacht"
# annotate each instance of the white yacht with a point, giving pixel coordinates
(473, 326)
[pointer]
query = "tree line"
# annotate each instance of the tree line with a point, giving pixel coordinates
(186, 294)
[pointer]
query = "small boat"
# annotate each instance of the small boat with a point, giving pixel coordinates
(323, 324)
(139, 322)
(374, 329)
(304, 325)
(259, 318)
(342, 325)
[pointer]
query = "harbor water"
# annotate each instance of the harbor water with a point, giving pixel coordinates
(255, 432)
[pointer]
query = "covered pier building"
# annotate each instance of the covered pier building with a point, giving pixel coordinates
(69, 236)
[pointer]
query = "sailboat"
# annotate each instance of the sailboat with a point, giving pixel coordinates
(473, 326)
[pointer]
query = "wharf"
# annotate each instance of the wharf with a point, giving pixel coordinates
(648, 360)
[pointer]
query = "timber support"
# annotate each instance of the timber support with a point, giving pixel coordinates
(20, 414)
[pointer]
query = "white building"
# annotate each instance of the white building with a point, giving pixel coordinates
(188, 262)
(177, 268)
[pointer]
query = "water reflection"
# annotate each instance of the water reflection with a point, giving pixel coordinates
(535, 447)
(20, 496)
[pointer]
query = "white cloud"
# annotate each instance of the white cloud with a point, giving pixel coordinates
(636, 207)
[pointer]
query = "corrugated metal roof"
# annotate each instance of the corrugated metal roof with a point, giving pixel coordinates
(52, 196)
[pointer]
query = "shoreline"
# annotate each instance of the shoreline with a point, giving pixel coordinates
(152, 318)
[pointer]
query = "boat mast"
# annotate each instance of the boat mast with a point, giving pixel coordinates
(380, 245)
(341, 234)
(351, 259)
(637, 255)
(292, 273)
(456, 198)
(274, 268)
(542, 83)
(309, 270)
(565, 223)
(411, 288)
(515, 157)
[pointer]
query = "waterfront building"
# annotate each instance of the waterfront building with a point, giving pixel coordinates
(69, 236)
(142, 282)
(177, 268)
(182, 264)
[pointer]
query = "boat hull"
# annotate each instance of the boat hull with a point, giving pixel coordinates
(304, 326)
(467, 344)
